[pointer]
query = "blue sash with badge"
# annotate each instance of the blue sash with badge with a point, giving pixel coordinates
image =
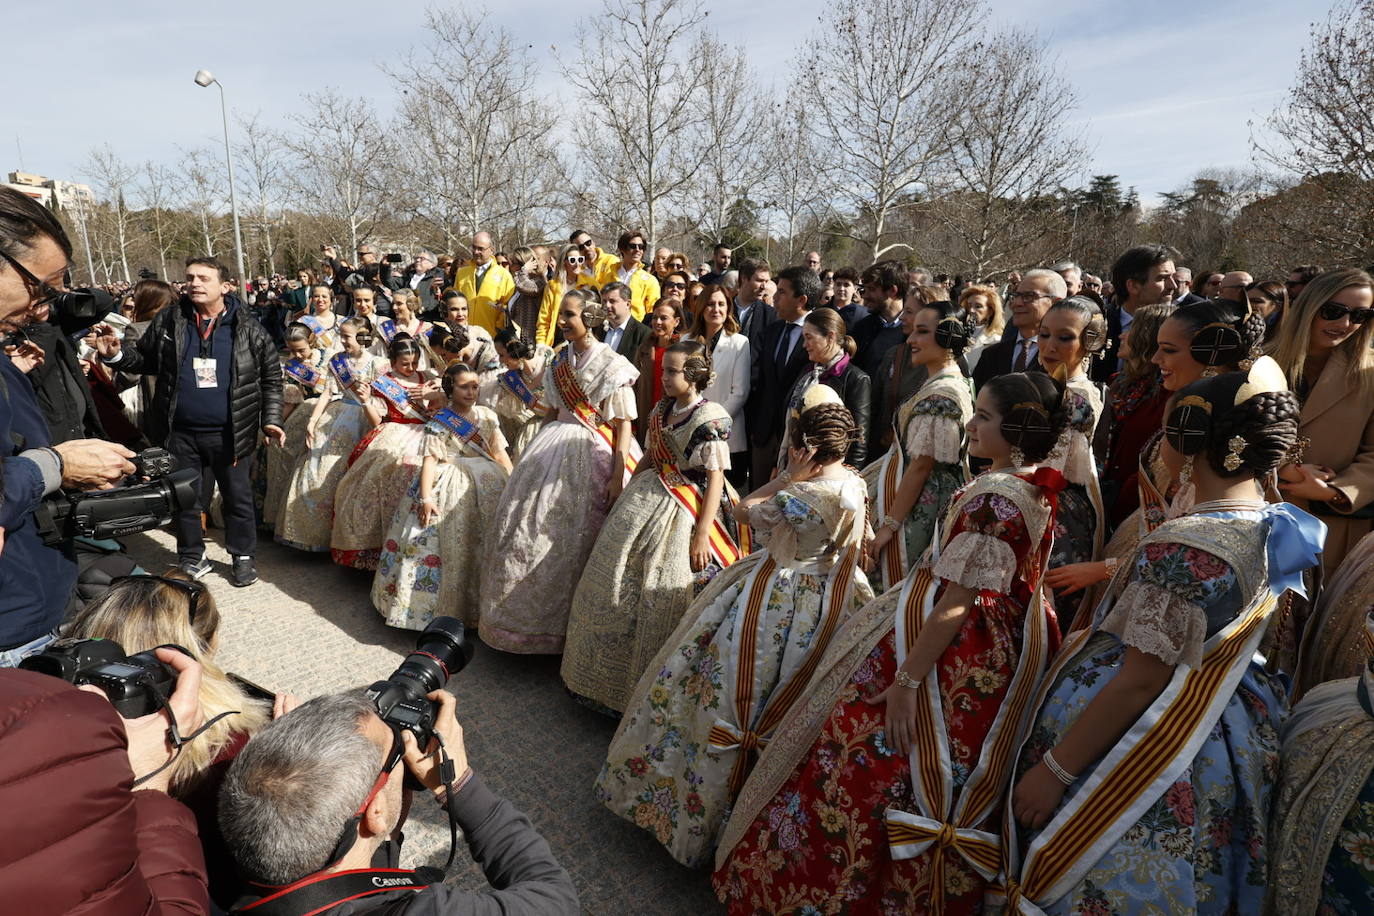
(343, 370)
(464, 429)
(302, 372)
(315, 325)
(396, 394)
(387, 327)
(515, 383)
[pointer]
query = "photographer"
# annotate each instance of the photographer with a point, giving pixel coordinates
(218, 390)
(309, 805)
(80, 840)
(369, 272)
(35, 579)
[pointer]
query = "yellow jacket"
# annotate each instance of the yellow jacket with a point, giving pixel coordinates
(485, 305)
(644, 289)
(553, 296)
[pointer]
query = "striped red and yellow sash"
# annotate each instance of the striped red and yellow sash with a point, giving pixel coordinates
(726, 735)
(565, 381)
(941, 825)
(894, 558)
(1134, 774)
(687, 495)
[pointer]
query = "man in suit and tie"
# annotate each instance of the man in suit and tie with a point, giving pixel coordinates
(1143, 275)
(622, 331)
(751, 312)
(1037, 290)
(782, 359)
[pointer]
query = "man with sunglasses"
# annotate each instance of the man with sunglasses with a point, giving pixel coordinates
(313, 806)
(35, 580)
(598, 261)
(644, 288)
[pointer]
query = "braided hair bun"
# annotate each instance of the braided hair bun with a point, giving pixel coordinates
(829, 429)
(1223, 334)
(516, 347)
(696, 364)
(1034, 409)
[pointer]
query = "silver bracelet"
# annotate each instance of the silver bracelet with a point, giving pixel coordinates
(906, 680)
(1059, 772)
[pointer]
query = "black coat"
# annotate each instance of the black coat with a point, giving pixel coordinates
(636, 332)
(769, 387)
(999, 359)
(255, 397)
(61, 388)
(855, 389)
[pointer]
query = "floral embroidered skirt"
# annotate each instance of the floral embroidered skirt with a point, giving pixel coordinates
(660, 771)
(429, 571)
(370, 490)
(820, 846)
(280, 462)
(308, 516)
(1201, 848)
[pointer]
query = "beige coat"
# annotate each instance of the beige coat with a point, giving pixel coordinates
(1341, 426)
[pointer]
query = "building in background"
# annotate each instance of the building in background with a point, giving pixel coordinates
(67, 194)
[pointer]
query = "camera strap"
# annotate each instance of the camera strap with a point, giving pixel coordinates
(178, 740)
(321, 893)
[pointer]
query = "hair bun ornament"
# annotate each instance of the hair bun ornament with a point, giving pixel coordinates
(815, 396)
(594, 314)
(1189, 425)
(951, 333)
(1026, 418)
(1218, 344)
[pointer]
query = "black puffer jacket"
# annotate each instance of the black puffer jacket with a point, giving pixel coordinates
(254, 380)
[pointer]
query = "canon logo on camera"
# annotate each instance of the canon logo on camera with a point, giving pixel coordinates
(393, 882)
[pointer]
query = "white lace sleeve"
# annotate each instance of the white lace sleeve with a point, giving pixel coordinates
(620, 404)
(1153, 619)
(711, 456)
(934, 435)
(979, 562)
(291, 393)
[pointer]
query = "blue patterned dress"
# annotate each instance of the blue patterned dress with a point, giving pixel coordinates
(1201, 847)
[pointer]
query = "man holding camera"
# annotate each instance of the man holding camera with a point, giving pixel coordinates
(311, 807)
(35, 579)
(218, 390)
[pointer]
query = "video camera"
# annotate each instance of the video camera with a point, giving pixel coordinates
(442, 650)
(137, 685)
(73, 312)
(148, 498)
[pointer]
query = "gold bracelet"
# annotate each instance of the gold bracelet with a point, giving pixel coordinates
(906, 680)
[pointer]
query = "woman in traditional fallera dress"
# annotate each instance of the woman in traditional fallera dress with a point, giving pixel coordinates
(659, 540)
(854, 765)
(1146, 781)
(566, 481)
(435, 546)
(335, 426)
(1323, 827)
(320, 318)
(513, 392)
(910, 487)
(386, 460)
(746, 647)
(1070, 333)
(305, 372)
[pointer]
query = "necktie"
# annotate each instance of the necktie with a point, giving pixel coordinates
(1022, 357)
(785, 344)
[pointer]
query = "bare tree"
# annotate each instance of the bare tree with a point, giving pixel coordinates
(637, 77)
(731, 122)
(203, 190)
(478, 151)
(114, 181)
(881, 81)
(156, 197)
(261, 161)
(1011, 152)
(1321, 139)
(794, 186)
(340, 164)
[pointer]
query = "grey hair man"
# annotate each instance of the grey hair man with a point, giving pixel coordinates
(314, 797)
(1072, 274)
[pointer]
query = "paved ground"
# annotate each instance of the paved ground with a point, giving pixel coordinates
(308, 627)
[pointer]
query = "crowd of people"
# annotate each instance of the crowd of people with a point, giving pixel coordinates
(1049, 593)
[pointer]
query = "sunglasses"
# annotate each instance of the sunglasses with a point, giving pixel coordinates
(1334, 311)
(188, 587)
(675, 285)
(576, 259)
(40, 291)
(587, 243)
(635, 246)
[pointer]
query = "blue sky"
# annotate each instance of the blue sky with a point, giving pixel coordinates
(1164, 88)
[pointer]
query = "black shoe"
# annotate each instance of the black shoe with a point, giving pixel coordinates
(196, 568)
(245, 573)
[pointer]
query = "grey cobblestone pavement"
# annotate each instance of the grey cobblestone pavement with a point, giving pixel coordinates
(308, 627)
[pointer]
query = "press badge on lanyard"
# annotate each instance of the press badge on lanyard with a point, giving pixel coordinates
(205, 366)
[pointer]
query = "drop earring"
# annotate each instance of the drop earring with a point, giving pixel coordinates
(1018, 458)
(1186, 492)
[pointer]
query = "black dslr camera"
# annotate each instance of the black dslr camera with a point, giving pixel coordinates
(149, 497)
(137, 685)
(401, 700)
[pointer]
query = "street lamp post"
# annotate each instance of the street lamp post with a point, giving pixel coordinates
(203, 79)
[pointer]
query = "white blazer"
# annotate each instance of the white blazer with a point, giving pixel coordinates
(731, 386)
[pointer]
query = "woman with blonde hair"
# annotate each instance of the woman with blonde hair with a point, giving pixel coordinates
(983, 305)
(1324, 350)
(572, 272)
(144, 612)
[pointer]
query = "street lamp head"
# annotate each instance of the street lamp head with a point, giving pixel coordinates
(204, 78)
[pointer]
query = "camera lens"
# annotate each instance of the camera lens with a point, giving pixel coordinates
(441, 652)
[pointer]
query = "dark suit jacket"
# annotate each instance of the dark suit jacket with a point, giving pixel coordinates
(636, 332)
(998, 360)
(769, 388)
(760, 317)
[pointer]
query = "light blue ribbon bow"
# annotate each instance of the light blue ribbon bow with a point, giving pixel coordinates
(1295, 544)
